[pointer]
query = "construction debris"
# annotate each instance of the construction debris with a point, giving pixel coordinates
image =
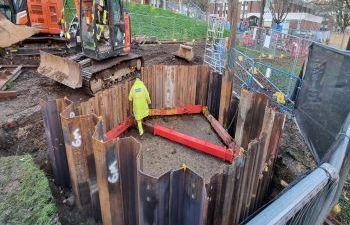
(185, 52)
(141, 40)
(6, 95)
(11, 34)
(9, 74)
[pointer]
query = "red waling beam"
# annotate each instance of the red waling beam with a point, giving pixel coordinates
(123, 126)
(190, 109)
(204, 146)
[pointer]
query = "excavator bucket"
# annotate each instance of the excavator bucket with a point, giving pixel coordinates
(185, 52)
(62, 70)
(11, 34)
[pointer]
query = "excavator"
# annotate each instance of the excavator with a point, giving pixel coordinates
(99, 35)
(30, 25)
(42, 14)
(103, 36)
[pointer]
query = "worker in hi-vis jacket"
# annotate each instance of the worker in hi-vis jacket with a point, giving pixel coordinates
(140, 100)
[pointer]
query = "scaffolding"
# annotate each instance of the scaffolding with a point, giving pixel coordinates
(214, 54)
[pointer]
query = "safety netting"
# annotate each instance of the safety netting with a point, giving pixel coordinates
(324, 99)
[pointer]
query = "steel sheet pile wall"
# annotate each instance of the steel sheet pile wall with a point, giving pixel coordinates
(128, 196)
(111, 104)
(173, 86)
(241, 189)
(113, 172)
(77, 131)
(310, 199)
(51, 110)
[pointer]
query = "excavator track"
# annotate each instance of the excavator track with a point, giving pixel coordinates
(78, 71)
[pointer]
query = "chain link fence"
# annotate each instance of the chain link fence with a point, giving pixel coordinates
(190, 9)
(167, 28)
(283, 51)
(263, 60)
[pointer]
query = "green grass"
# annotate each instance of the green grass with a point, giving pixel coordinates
(152, 21)
(69, 10)
(344, 203)
(164, 24)
(24, 192)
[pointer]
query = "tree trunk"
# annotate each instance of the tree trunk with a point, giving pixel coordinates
(188, 7)
(261, 19)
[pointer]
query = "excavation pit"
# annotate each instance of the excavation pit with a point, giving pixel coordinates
(124, 177)
(161, 155)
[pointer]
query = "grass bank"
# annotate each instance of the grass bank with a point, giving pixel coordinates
(164, 24)
(24, 192)
(152, 21)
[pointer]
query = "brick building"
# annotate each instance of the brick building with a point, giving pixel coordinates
(300, 17)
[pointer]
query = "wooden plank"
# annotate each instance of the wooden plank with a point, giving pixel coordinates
(14, 74)
(6, 95)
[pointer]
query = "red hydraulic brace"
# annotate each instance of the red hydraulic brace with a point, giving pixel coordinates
(190, 109)
(123, 126)
(204, 146)
(223, 134)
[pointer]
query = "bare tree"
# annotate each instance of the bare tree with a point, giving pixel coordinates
(262, 11)
(279, 10)
(342, 14)
(202, 4)
(338, 9)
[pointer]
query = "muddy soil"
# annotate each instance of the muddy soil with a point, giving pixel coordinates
(294, 158)
(155, 54)
(161, 155)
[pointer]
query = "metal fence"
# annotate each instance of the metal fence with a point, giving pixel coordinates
(265, 78)
(167, 28)
(283, 51)
(310, 200)
(214, 54)
(264, 60)
(191, 9)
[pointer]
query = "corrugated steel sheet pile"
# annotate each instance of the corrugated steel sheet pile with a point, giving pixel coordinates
(107, 177)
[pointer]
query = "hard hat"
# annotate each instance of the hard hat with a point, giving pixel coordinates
(100, 3)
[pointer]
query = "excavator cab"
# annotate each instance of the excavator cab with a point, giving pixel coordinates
(105, 28)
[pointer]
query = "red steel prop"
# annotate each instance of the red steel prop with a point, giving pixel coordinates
(227, 154)
(190, 109)
(204, 146)
(123, 126)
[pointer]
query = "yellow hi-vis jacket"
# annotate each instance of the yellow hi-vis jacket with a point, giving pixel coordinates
(140, 99)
